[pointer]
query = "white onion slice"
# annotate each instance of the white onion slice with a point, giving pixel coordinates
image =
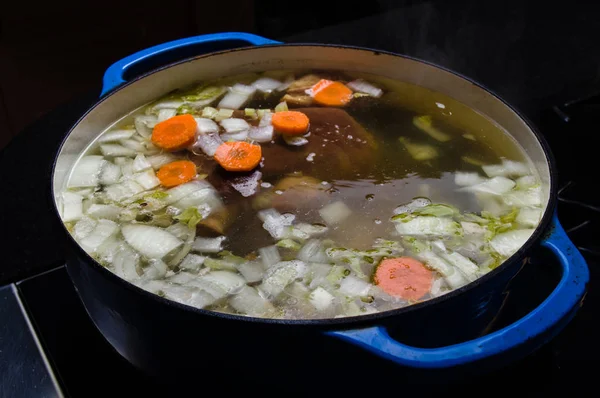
(362, 86)
(165, 114)
(269, 255)
(353, 286)
(335, 213)
(494, 186)
(261, 134)
(465, 179)
(207, 143)
(295, 140)
(252, 271)
(104, 229)
(160, 159)
(86, 172)
(147, 179)
(144, 125)
(140, 163)
(321, 299)
(116, 135)
(266, 84)
(208, 245)
(237, 136)
(234, 125)
(206, 126)
(265, 120)
(125, 263)
(122, 191)
(248, 301)
(109, 212)
(72, 206)
(110, 173)
(233, 100)
(150, 241)
(116, 150)
(243, 89)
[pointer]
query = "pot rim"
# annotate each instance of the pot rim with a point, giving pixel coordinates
(343, 322)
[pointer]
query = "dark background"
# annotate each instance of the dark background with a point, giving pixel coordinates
(533, 53)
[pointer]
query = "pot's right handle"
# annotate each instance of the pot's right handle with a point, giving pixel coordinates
(558, 306)
(162, 54)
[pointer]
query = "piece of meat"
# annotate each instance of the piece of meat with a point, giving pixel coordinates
(292, 193)
(303, 83)
(298, 99)
(341, 147)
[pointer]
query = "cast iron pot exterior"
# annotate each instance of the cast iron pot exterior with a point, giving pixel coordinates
(167, 338)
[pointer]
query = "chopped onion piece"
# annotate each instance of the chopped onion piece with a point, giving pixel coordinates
(156, 269)
(248, 301)
(233, 100)
(234, 125)
(452, 276)
(209, 112)
(125, 263)
(225, 280)
(243, 89)
(122, 191)
(353, 286)
(192, 262)
(140, 163)
(207, 143)
(526, 182)
(116, 135)
(281, 107)
(335, 213)
(508, 168)
(253, 271)
(507, 243)
(223, 114)
(362, 86)
(166, 113)
(104, 229)
(86, 172)
(181, 191)
(269, 255)
(411, 206)
(295, 140)
(280, 275)
(312, 251)
(495, 186)
(312, 230)
(206, 126)
(266, 84)
(133, 145)
(261, 134)
(116, 150)
(110, 173)
(465, 179)
(321, 299)
(144, 125)
(208, 245)
(237, 136)
(529, 217)
(72, 206)
(147, 179)
(83, 228)
(150, 241)
(530, 197)
(265, 119)
(274, 223)
(160, 159)
(168, 105)
(109, 212)
(466, 266)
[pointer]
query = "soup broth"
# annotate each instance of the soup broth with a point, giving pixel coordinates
(302, 194)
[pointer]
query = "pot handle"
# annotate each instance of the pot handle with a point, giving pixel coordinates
(560, 305)
(162, 54)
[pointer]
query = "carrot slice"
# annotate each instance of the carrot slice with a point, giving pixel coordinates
(290, 122)
(238, 156)
(329, 93)
(176, 173)
(403, 277)
(175, 133)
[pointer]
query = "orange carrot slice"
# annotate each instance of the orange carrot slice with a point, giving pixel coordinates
(175, 133)
(238, 156)
(403, 277)
(290, 122)
(329, 93)
(176, 173)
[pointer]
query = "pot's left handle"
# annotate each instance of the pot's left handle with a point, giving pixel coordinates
(558, 307)
(162, 54)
